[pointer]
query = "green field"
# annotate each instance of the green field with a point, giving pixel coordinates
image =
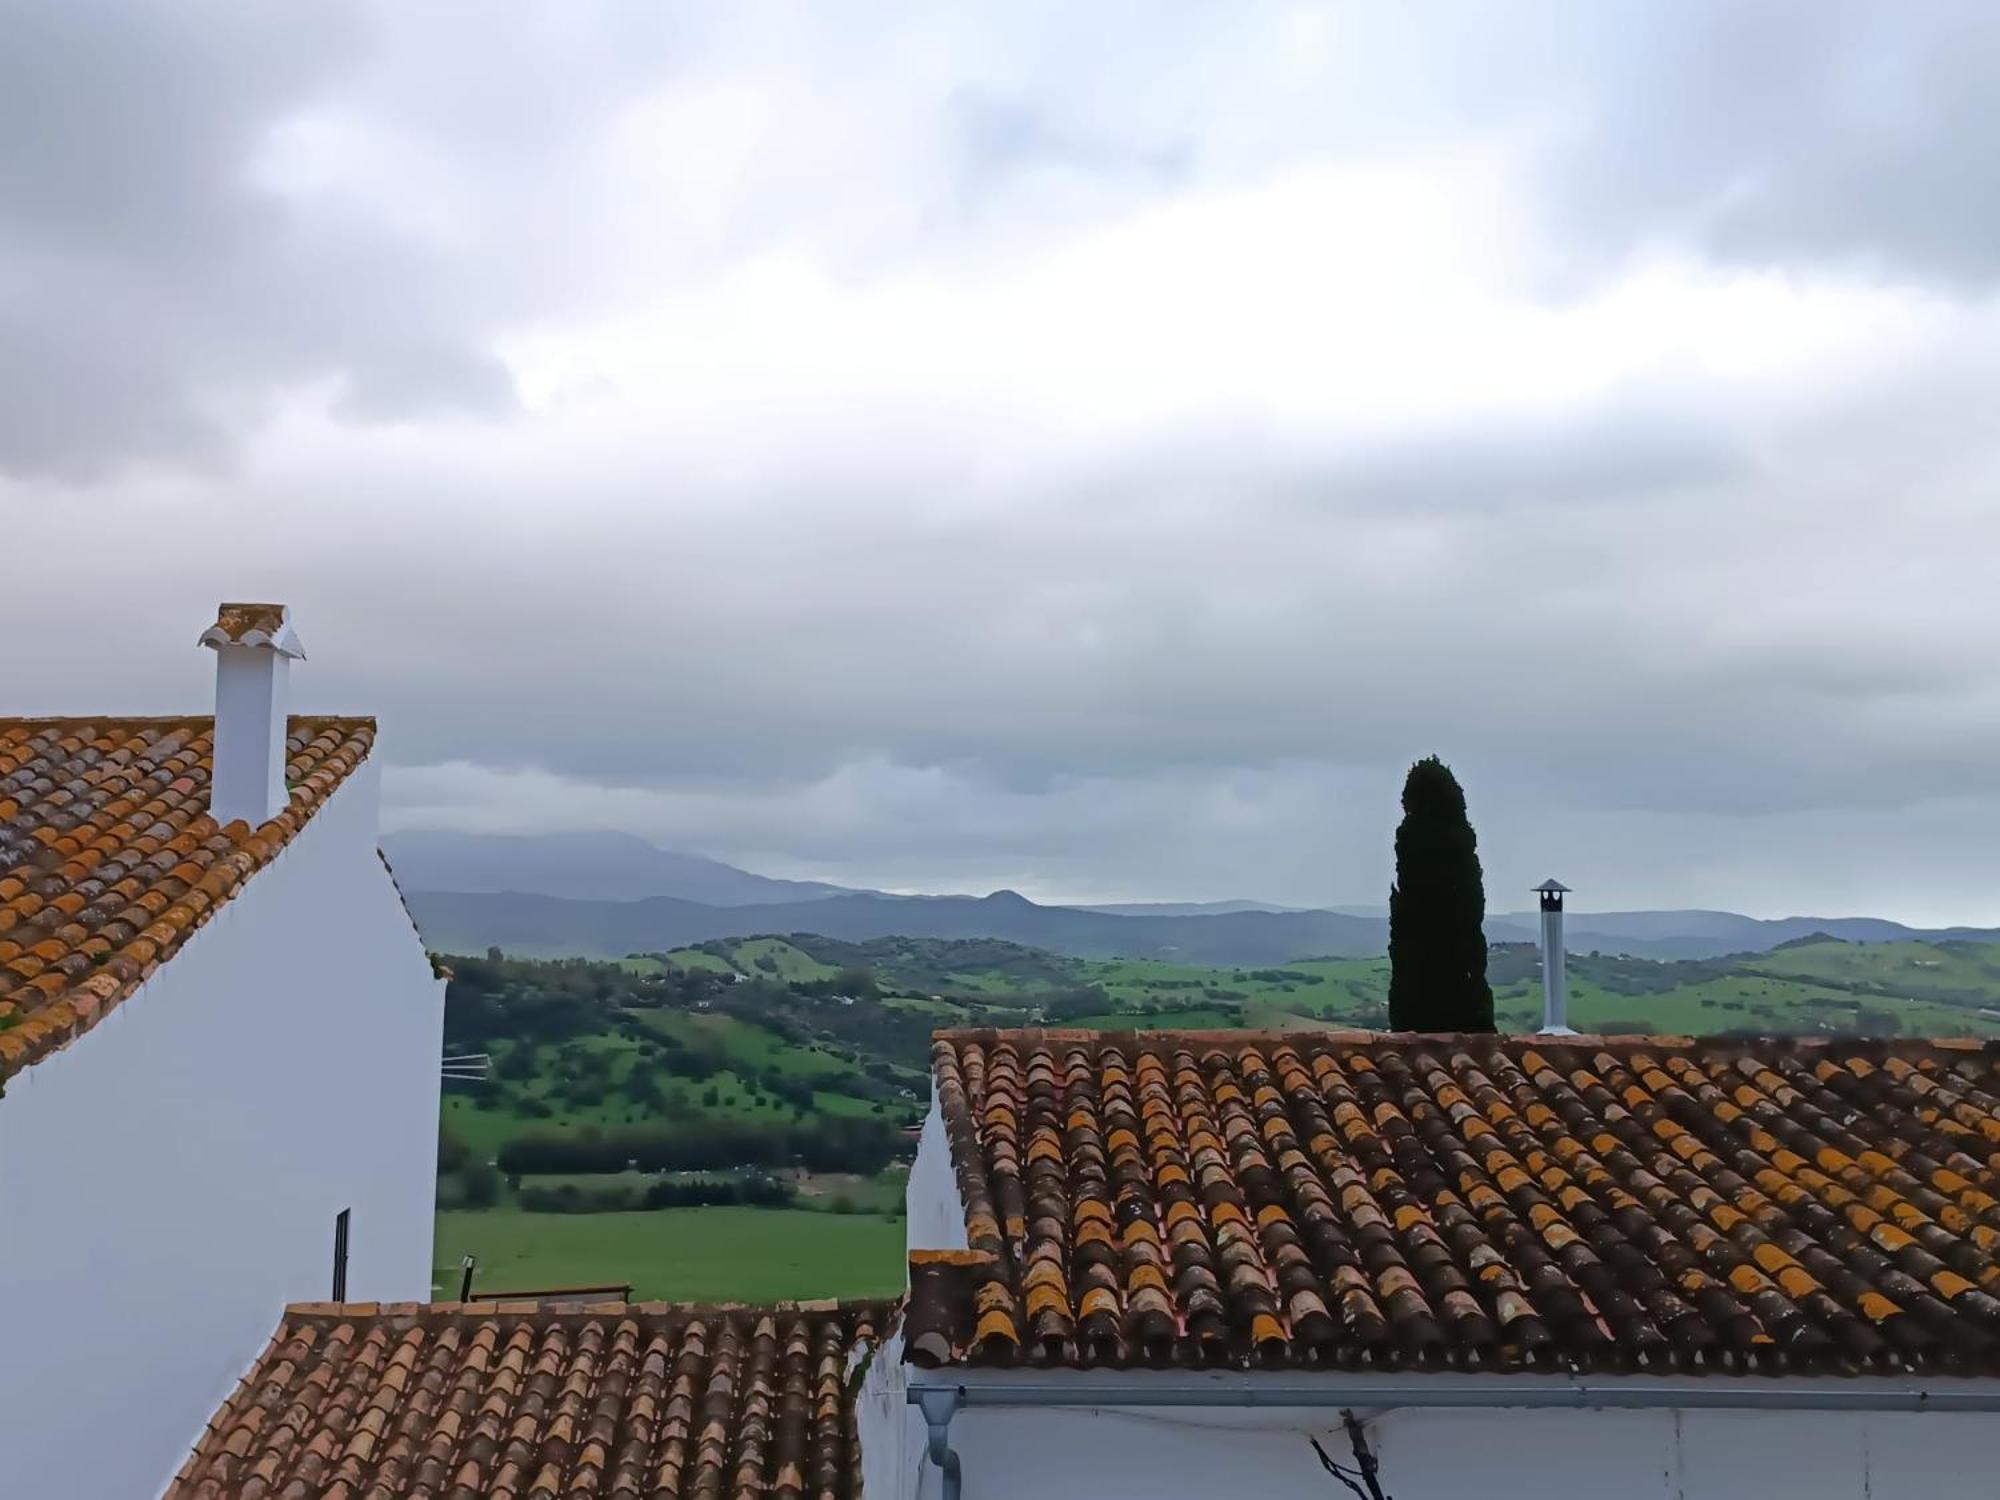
(780, 959)
(1959, 973)
(789, 1030)
(1910, 989)
(677, 1254)
(691, 958)
(1904, 989)
(1201, 1018)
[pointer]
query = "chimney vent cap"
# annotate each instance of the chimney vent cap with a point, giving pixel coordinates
(254, 625)
(1555, 887)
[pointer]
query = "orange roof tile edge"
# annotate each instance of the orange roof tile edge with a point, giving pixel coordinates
(110, 862)
(238, 620)
(1617, 1043)
(407, 1399)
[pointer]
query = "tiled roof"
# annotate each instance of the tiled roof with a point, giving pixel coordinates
(1354, 1200)
(449, 1401)
(252, 625)
(109, 860)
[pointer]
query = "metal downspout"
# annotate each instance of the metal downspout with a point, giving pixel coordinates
(940, 1404)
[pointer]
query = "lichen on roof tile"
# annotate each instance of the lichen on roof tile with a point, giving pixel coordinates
(1347, 1200)
(239, 620)
(253, 625)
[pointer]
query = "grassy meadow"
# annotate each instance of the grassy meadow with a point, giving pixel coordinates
(783, 1032)
(676, 1254)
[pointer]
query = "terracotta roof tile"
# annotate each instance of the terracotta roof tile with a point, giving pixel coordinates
(252, 625)
(1349, 1200)
(109, 860)
(646, 1399)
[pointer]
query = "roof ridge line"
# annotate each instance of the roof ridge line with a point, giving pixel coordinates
(361, 1312)
(25, 721)
(1621, 1042)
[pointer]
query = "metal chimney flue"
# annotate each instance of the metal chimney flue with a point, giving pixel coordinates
(1555, 992)
(254, 647)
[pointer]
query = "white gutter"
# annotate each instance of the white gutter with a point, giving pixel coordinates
(1738, 1392)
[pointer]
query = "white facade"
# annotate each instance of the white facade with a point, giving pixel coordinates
(936, 1213)
(1235, 1452)
(1429, 1454)
(170, 1180)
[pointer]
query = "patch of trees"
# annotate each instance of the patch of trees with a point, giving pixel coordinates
(495, 998)
(750, 1190)
(1437, 910)
(453, 1153)
(932, 965)
(832, 1144)
(698, 1061)
(857, 984)
(1068, 1005)
(478, 1185)
(1625, 975)
(478, 1010)
(1621, 974)
(463, 1179)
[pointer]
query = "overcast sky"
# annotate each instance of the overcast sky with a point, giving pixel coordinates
(1086, 449)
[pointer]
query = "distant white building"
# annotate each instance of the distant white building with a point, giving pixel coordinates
(219, 1050)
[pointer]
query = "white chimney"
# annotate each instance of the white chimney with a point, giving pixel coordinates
(254, 648)
(1555, 992)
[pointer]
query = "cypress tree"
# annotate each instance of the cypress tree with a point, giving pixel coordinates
(1437, 911)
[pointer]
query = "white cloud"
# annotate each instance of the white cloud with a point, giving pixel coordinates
(1084, 452)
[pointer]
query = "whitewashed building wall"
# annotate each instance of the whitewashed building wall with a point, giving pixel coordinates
(935, 1212)
(1235, 1454)
(170, 1180)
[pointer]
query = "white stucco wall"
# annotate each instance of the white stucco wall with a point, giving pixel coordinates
(886, 1428)
(935, 1211)
(170, 1181)
(1445, 1455)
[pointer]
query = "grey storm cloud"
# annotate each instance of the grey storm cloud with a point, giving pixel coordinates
(148, 287)
(1089, 453)
(1847, 132)
(159, 275)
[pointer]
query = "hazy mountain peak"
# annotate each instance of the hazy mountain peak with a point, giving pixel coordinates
(610, 893)
(602, 865)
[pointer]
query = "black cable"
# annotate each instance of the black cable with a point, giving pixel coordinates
(1336, 1470)
(1363, 1479)
(1364, 1457)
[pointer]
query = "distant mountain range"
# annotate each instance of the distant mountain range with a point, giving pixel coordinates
(1184, 908)
(581, 867)
(459, 922)
(606, 895)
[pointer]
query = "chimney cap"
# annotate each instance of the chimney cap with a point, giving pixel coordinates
(254, 625)
(1552, 887)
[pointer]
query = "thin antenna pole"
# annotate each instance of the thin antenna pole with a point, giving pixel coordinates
(340, 1222)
